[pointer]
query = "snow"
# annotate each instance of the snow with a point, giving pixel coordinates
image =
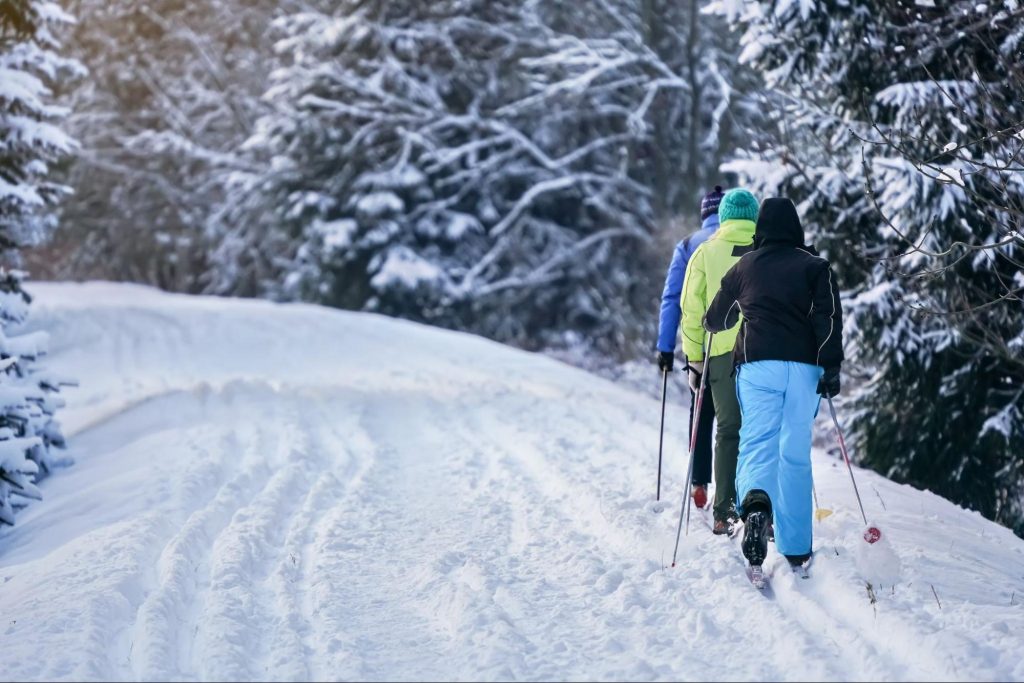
(27, 345)
(379, 204)
(12, 454)
(402, 267)
(284, 492)
(18, 86)
(11, 397)
(462, 224)
(452, 226)
(1002, 421)
(951, 175)
(20, 192)
(405, 177)
(877, 562)
(337, 235)
(874, 295)
(805, 7)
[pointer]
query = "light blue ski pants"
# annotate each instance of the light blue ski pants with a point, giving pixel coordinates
(778, 402)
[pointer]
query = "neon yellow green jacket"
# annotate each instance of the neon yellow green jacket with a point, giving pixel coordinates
(704, 274)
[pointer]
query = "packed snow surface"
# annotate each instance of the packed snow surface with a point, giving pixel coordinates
(287, 492)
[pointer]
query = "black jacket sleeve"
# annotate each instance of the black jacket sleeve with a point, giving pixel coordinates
(724, 311)
(827, 318)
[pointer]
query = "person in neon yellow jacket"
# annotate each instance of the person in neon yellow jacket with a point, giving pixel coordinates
(735, 237)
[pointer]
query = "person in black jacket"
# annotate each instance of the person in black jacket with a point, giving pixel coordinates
(788, 353)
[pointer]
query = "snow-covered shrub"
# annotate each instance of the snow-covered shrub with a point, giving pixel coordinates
(28, 430)
(899, 131)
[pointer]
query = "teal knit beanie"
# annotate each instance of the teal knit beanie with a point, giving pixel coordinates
(738, 204)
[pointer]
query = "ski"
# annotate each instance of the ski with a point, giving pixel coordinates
(756, 575)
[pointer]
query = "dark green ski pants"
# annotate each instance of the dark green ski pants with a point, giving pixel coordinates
(727, 435)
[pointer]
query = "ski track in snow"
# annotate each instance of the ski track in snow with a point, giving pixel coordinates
(290, 493)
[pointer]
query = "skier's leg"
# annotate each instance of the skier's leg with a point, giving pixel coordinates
(704, 423)
(794, 507)
(727, 435)
(759, 387)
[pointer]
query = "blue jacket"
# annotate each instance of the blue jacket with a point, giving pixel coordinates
(671, 313)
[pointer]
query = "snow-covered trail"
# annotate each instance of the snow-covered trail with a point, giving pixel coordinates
(291, 493)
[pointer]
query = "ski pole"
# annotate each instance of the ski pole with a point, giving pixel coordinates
(693, 444)
(871, 534)
(695, 429)
(661, 438)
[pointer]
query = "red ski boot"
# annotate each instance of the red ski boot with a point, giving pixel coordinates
(699, 492)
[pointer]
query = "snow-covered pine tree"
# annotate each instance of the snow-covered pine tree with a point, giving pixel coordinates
(898, 130)
(173, 93)
(447, 162)
(175, 90)
(31, 141)
(29, 432)
(488, 166)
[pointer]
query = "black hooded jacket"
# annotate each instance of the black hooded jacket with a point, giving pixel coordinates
(786, 293)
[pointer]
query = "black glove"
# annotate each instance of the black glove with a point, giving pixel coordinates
(665, 360)
(828, 385)
(694, 373)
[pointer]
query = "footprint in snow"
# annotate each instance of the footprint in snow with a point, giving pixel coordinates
(449, 562)
(608, 582)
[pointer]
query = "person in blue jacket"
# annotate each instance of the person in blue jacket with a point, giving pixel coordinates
(668, 330)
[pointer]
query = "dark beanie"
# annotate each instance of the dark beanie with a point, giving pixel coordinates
(709, 204)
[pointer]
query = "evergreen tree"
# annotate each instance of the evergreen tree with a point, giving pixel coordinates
(31, 142)
(29, 432)
(173, 93)
(618, 141)
(897, 129)
(491, 166)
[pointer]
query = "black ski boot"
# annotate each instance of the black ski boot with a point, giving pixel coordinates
(797, 560)
(757, 509)
(755, 538)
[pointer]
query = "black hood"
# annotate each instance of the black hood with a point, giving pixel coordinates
(778, 223)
